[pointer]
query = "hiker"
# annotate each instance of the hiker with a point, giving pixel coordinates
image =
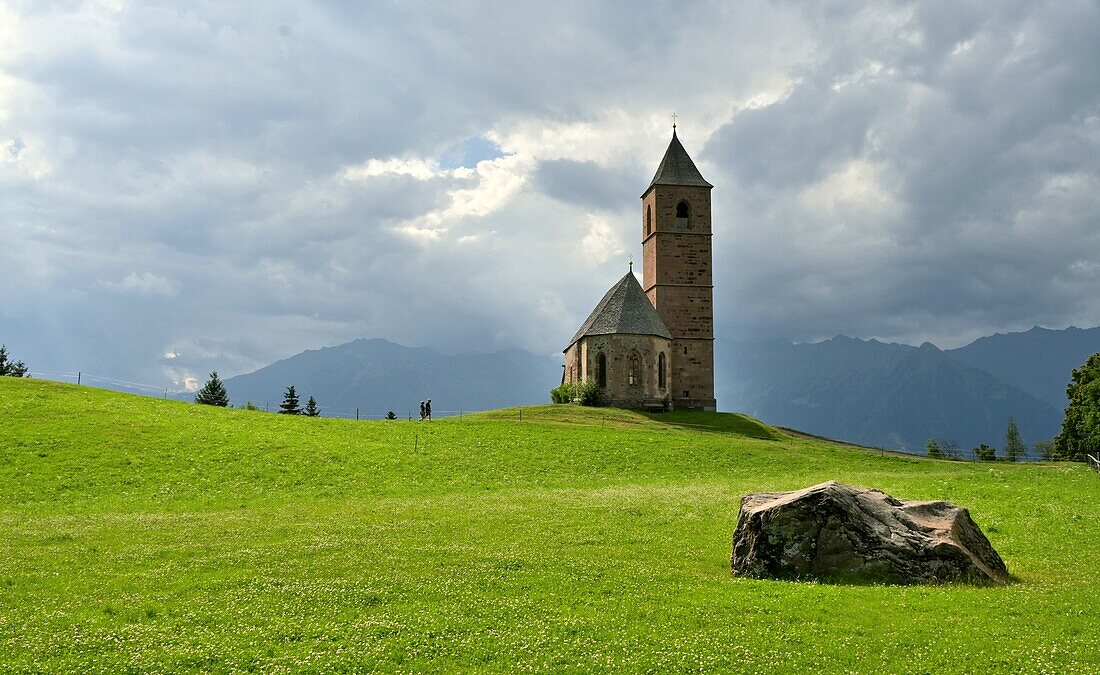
(423, 411)
(428, 409)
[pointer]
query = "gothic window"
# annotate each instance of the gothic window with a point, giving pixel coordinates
(601, 370)
(661, 371)
(683, 216)
(634, 374)
(648, 220)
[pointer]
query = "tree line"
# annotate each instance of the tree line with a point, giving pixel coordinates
(214, 393)
(1080, 435)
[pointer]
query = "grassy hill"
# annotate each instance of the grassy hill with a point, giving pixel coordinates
(140, 534)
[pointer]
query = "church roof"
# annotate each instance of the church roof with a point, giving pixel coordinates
(624, 309)
(677, 168)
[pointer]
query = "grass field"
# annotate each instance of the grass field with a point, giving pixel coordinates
(138, 534)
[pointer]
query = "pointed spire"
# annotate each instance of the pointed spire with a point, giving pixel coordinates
(676, 167)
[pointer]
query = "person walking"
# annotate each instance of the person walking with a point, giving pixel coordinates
(428, 409)
(423, 411)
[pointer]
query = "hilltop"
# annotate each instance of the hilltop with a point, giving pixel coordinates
(143, 534)
(864, 391)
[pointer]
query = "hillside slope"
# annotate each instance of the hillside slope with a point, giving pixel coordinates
(149, 535)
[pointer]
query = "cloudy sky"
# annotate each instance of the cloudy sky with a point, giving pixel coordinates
(195, 185)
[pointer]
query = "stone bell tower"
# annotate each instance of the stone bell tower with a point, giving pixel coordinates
(676, 273)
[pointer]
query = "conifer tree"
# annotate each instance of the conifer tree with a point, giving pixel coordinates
(11, 368)
(311, 408)
(933, 449)
(1014, 445)
(213, 392)
(290, 404)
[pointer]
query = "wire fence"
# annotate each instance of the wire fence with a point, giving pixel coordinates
(410, 414)
(161, 391)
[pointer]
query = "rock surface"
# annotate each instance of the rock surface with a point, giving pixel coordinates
(840, 532)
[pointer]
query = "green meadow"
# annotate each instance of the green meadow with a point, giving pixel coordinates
(138, 534)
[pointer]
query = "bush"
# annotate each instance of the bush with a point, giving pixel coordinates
(586, 392)
(391, 415)
(984, 453)
(1045, 449)
(562, 394)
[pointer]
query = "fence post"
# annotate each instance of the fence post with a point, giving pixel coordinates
(357, 414)
(78, 377)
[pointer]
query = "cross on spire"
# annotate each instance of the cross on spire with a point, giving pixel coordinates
(674, 121)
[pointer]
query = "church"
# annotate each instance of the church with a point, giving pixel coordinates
(651, 345)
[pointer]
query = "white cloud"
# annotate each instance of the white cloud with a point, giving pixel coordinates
(298, 167)
(146, 284)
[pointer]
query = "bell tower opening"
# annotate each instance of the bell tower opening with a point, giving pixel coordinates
(683, 216)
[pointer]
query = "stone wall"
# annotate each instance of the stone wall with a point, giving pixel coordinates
(678, 279)
(582, 359)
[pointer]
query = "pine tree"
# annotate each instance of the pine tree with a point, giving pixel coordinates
(1081, 426)
(933, 449)
(290, 405)
(213, 392)
(1014, 445)
(311, 408)
(11, 368)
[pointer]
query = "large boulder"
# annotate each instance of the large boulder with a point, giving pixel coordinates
(840, 532)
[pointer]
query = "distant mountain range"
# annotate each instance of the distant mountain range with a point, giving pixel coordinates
(377, 376)
(899, 396)
(864, 391)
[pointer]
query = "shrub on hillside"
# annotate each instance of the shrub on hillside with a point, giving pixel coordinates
(1044, 449)
(586, 392)
(984, 453)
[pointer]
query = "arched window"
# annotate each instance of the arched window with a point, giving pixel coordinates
(648, 220)
(683, 216)
(601, 370)
(634, 374)
(661, 371)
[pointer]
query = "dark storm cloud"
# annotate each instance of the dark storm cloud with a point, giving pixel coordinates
(952, 163)
(208, 185)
